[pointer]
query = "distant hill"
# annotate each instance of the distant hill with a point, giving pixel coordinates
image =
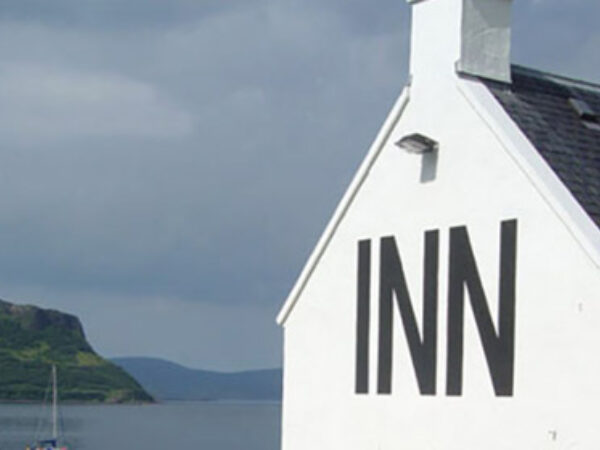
(169, 381)
(32, 339)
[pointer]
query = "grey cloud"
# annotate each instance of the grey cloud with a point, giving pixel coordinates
(43, 103)
(210, 149)
(362, 17)
(114, 14)
(220, 215)
(358, 15)
(558, 36)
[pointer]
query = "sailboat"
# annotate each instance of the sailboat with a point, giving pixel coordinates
(51, 443)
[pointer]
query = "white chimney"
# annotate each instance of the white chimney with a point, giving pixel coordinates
(465, 36)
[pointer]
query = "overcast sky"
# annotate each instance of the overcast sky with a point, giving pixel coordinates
(167, 166)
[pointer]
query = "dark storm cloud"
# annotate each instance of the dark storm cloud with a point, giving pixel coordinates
(558, 36)
(179, 159)
(111, 14)
(358, 15)
(174, 166)
(133, 221)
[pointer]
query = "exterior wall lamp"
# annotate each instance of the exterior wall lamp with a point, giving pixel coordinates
(418, 144)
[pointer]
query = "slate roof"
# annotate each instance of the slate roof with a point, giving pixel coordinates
(539, 103)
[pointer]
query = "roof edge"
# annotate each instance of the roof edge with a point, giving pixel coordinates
(556, 194)
(344, 205)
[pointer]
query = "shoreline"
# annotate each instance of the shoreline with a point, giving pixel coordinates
(157, 402)
(74, 403)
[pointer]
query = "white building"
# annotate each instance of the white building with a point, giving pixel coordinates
(453, 302)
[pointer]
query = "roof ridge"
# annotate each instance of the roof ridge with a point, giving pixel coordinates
(556, 77)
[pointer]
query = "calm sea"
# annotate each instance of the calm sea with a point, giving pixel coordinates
(201, 425)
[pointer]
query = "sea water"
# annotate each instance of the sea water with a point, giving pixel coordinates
(185, 425)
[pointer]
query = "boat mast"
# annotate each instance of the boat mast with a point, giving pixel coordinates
(54, 405)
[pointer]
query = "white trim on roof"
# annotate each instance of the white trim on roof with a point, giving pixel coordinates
(344, 205)
(541, 175)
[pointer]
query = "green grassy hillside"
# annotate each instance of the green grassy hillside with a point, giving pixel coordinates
(32, 339)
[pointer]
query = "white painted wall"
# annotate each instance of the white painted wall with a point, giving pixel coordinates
(477, 183)
(485, 172)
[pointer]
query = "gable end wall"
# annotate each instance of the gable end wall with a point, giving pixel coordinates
(471, 182)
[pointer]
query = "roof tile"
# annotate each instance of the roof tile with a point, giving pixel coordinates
(539, 104)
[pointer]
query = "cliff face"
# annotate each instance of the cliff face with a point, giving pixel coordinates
(33, 319)
(32, 339)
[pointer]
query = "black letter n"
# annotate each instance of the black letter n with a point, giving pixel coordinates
(392, 281)
(499, 347)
